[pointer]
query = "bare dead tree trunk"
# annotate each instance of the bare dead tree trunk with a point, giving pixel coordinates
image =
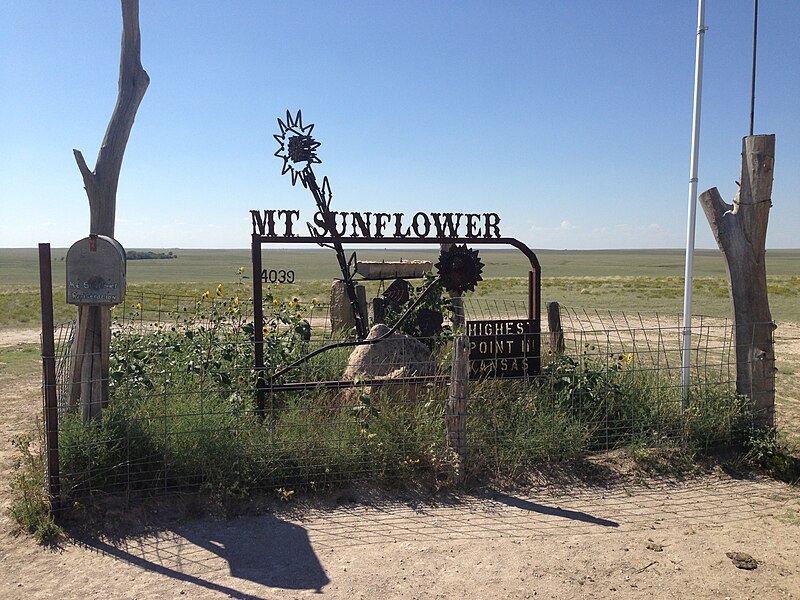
(90, 367)
(741, 232)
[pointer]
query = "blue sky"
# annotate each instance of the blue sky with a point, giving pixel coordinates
(570, 119)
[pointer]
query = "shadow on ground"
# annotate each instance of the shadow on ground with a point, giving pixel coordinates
(274, 553)
(278, 547)
(264, 550)
(553, 511)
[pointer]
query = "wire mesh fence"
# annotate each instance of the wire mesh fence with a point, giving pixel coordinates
(188, 411)
(481, 309)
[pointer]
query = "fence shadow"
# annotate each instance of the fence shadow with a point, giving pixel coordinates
(552, 511)
(263, 550)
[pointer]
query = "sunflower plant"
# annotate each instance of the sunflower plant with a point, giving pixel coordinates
(214, 341)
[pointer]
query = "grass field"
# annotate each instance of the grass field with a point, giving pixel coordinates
(630, 280)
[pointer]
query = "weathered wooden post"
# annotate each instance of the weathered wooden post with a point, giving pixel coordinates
(741, 232)
(554, 326)
(94, 322)
(456, 409)
(95, 282)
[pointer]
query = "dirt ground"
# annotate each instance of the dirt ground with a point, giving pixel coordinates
(637, 537)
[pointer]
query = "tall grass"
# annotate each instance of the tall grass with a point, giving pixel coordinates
(183, 417)
(220, 444)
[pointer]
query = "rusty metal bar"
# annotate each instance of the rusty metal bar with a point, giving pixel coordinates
(503, 241)
(336, 244)
(302, 386)
(258, 320)
(50, 408)
(532, 296)
(535, 302)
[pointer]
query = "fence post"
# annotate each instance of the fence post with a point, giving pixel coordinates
(554, 325)
(456, 410)
(49, 378)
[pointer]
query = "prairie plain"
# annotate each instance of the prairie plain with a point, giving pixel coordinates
(635, 281)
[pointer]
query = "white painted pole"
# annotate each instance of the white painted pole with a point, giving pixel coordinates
(690, 227)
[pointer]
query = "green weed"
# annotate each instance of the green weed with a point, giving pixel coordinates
(30, 507)
(766, 449)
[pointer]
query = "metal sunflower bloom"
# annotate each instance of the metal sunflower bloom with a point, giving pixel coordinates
(297, 147)
(459, 269)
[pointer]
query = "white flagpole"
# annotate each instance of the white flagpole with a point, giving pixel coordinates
(687, 292)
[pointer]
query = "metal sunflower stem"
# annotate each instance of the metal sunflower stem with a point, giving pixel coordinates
(347, 277)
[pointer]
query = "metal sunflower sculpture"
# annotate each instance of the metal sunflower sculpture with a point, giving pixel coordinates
(299, 153)
(297, 148)
(459, 269)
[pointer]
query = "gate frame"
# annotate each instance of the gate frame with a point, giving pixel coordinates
(258, 241)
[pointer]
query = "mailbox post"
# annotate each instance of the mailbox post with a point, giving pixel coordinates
(95, 282)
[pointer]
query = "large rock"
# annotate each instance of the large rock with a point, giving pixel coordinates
(397, 352)
(341, 309)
